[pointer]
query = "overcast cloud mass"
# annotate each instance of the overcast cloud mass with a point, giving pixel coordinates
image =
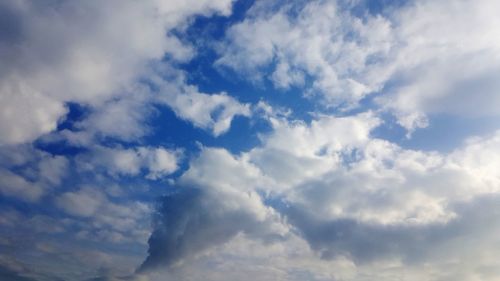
(223, 140)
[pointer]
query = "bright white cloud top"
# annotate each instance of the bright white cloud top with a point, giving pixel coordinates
(249, 140)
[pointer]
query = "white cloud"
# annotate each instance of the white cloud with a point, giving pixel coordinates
(426, 57)
(160, 162)
(323, 200)
(124, 119)
(26, 113)
(213, 112)
(212, 205)
(90, 53)
(83, 203)
(378, 207)
(157, 162)
(296, 151)
(229, 173)
(324, 42)
(447, 68)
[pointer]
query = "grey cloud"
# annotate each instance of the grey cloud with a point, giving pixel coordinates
(385, 207)
(360, 241)
(471, 232)
(194, 220)
(7, 274)
(10, 21)
(27, 173)
(12, 270)
(210, 205)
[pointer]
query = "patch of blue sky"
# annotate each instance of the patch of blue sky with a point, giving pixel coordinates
(379, 7)
(444, 133)
(447, 132)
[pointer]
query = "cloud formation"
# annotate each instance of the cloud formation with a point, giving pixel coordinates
(204, 213)
(27, 173)
(119, 159)
(424, 57)
(347, 194)
(156, 162)
(93, 54)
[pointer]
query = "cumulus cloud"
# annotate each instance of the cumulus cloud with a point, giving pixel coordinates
(89, 53)
(203, 213)
(213, 112)
(297, 151)
(336, 49)
(325, 199)
(349, 195)
(447, 68)
(156, 162)
(451, 252)
(18, 99)
(423, 58)
(244, 258)
(370, 185)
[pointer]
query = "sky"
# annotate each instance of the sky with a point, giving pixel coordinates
(221, 140)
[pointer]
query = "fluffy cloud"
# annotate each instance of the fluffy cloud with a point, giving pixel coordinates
(314, 200)
(17, 99)
(157, 162)
(90, 53)
(448, 68)
(212, 112)
(204, 213)
(424, 58)
(323, 42)
(459, 258)
(350, 196)
(297, 151)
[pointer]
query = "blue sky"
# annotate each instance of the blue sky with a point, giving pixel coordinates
(249, 140)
